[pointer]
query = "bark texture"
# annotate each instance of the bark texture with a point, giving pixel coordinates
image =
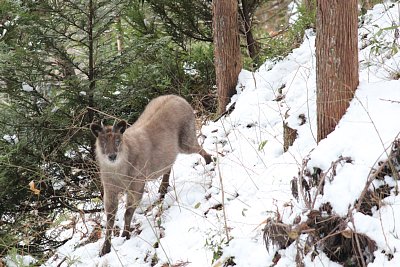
(227, 57)
(246, 11)
(337, 61)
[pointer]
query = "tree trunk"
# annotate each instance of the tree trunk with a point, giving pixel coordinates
(337, 61)
(120, 35)
(227, 58)
(91, 72)
(252, 46)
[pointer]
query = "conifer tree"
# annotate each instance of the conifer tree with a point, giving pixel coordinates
(55, 61)
(64, 64)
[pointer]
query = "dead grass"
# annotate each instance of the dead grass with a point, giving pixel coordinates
(325, 231)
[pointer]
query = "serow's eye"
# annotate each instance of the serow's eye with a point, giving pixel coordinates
(117, 142)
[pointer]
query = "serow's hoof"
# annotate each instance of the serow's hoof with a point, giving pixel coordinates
(126, 234)
(163, 190)
(208, 158)
(106, 248)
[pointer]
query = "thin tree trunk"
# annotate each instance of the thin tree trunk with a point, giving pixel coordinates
(91, 71)
(227, 57)
(120, 38)
(252, 47)
(337, 61)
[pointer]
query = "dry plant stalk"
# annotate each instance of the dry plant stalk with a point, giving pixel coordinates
(223, 197)
(327, 233)
(323, 230)
(385, 168)
(302, 186)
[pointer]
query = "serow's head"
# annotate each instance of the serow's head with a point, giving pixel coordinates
(109, 139)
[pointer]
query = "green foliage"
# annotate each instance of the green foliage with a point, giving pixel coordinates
(215, 243)
(279, 46)
(380, 44)
(383, 45)
(72, 261)
(60, 70)
(262, 145)
(200, 73)
(57, 75)
(306, 20)
(45, 88)
(184, 20)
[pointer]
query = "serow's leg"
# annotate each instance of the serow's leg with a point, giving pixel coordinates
(164, 184)
(132, 201)
(110, 208)
(207, 157)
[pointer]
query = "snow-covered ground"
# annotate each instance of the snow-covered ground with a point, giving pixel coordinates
(252, 175)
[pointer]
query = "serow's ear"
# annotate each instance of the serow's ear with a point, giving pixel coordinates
(96, 129)
(120, 127)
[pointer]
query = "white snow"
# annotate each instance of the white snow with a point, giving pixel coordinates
(18, 260)
(26, 87)
(252, 174)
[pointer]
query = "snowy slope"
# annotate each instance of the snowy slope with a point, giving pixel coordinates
(252, 175)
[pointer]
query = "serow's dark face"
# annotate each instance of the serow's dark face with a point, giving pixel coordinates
(109, 139)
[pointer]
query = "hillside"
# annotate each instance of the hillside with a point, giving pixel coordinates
(251, 180)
